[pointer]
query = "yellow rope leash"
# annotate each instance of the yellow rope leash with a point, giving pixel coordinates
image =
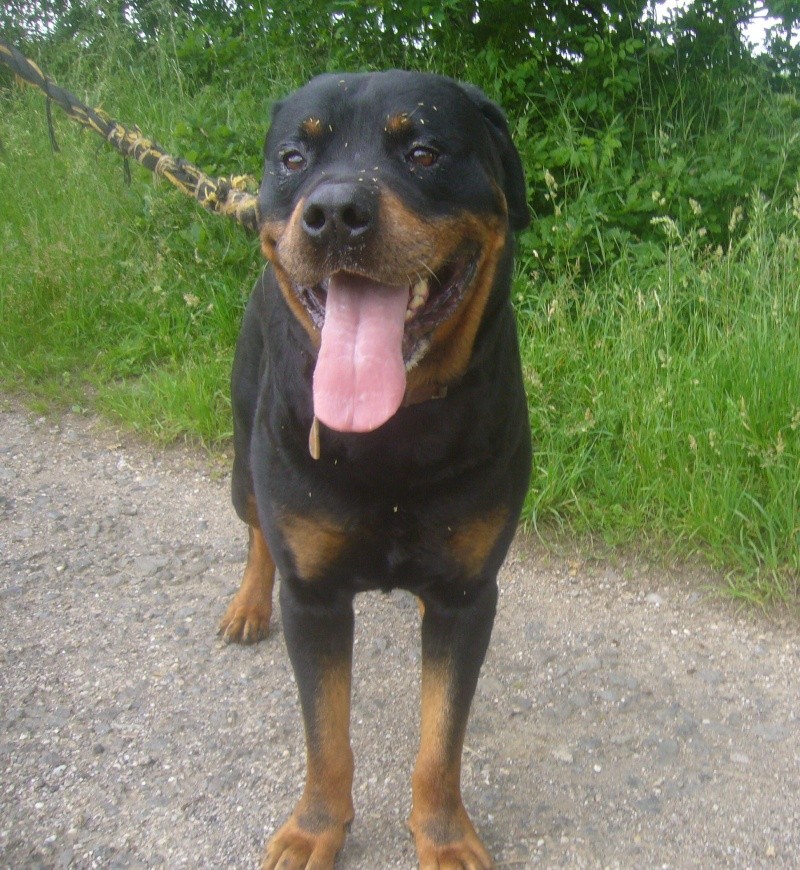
(226, 195)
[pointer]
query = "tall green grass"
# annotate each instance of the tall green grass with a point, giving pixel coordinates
(129, 295)
(665, 400)
(664, 391)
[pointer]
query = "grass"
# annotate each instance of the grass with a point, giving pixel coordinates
(664, 393)
(665, 401)
(132, 292)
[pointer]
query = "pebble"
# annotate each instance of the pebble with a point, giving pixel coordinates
(146, 566)
(588, 665)
(773, 733)
(563, 754)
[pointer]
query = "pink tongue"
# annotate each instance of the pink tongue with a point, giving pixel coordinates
(360, 378)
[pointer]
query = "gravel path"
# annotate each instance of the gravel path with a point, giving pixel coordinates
(624, 717)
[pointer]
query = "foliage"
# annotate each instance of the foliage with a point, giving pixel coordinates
(657, 284)
(621, 119)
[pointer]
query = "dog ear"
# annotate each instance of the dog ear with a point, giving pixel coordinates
(513, 181)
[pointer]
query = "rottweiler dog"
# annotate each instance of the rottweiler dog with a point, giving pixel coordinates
(380, 425)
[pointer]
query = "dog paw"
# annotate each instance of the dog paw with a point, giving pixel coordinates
(449, 843)
(455, 856)
(294, 848)
(246, 620)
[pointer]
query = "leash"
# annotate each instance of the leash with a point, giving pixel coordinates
(225, 195)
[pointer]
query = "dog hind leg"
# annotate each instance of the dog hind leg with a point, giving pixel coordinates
(247, 618)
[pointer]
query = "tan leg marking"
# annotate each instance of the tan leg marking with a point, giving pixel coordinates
(316, 830)
(247, 618)
(443, 832)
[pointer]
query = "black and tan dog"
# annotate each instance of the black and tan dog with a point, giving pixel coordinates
(381, 431)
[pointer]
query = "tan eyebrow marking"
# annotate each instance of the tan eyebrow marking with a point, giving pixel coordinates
(312, 127)
(399, 123)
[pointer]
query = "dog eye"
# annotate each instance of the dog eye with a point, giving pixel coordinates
(293, 160)
(422, 156)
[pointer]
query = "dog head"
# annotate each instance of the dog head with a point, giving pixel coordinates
(386, 204)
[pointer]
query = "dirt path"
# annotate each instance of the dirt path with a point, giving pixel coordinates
(623, 718)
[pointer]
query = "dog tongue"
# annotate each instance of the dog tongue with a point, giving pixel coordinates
(360, 377)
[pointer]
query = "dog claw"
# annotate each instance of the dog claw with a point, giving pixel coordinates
(293, 848)
(244, 626)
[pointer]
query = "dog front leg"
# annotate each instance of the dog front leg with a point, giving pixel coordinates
(454, 643)
(319, 638)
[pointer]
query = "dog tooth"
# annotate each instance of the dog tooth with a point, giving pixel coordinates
(417, 297)
(420, 290)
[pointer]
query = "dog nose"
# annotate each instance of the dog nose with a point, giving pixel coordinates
(339, 213)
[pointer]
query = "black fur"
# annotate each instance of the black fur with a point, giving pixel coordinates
(398, 493)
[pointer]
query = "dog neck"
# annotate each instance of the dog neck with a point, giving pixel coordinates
(423, 393)
(415, 396)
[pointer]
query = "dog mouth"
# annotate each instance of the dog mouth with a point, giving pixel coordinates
(372, 333)
(431, 301)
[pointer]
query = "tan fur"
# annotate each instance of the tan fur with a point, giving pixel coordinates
(473, 540)
(314, 543)
(247, 618)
